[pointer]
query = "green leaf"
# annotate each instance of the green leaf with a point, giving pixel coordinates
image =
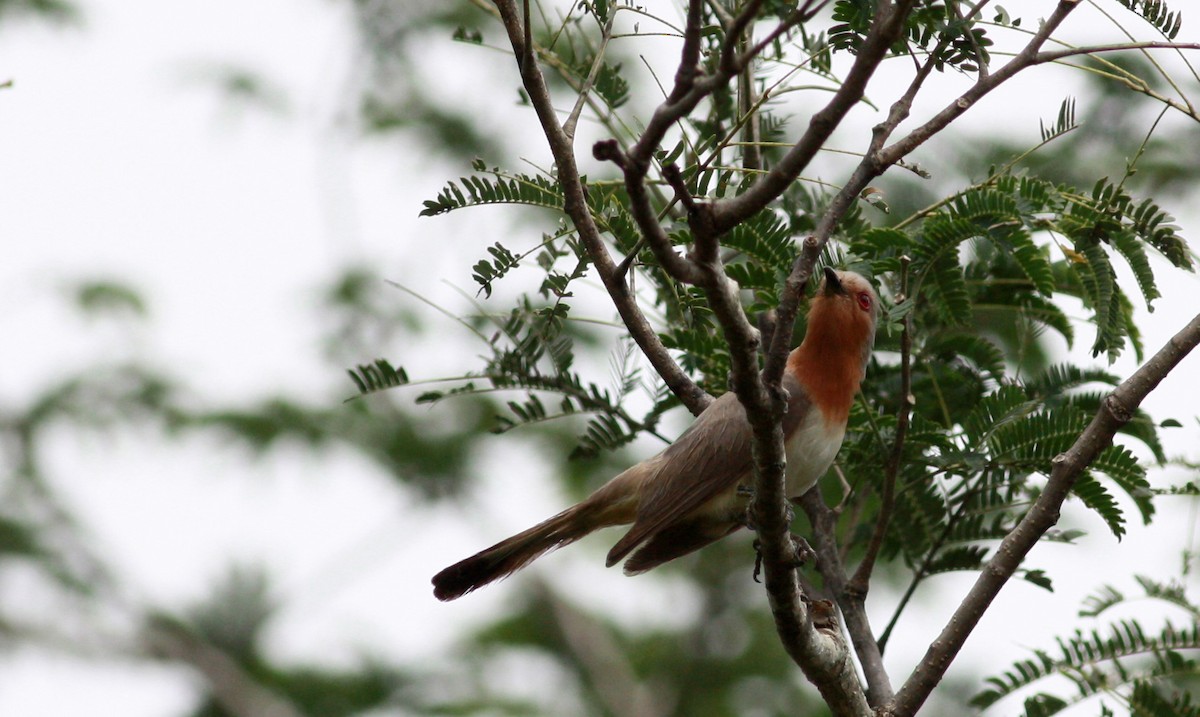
(1027, 305)
(1065, 122)
(939, 277)
(108, 297)
(1099, 281)
(1097, 498)
(1102, 600)
(377, 376)
(1060, 378)
(1124, 469)
(611, 85)
(1135, 255)
(497, 188)
(1139, 426)
(1006, 405)
(486, 272)
(1157, 14)
(966, 557)
(1044, 705)
(468, 34)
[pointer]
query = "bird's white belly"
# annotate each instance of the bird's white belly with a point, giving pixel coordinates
(810, 451)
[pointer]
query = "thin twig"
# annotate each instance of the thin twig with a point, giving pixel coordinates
(979, 57)
(586, 89)
(1149, 58)
(674, 178)
(678, 267)
(1055, 55)
(885, 29)
(920, 574)
(734, 38)
(750, 119)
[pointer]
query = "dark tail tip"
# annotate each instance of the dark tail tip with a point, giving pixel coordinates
(445, 589)
(498, 561)
(463, 577)
(508, 556)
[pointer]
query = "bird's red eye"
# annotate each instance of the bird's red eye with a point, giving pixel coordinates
(864, 301)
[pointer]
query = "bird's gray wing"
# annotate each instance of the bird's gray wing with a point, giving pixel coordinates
(711, 456)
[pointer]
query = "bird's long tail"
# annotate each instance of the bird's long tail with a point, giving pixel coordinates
(512, 554)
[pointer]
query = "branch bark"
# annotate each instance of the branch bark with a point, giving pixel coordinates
(1116, 410)
(858, 627)
(889, 22)
(575, 205)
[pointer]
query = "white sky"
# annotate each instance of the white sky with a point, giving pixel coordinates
(115, 160)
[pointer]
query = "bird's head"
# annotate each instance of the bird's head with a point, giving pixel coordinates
(844, 313)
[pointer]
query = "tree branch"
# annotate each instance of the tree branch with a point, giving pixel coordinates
(575, 205)
(883, 33)
(1115, 411)
(689, 89)
(1027, 57)
(829, 563)
(886, 28)
(1055, 55)
(851, 595)
(821, 653)
(680, 268)
(589, 83)
(829, 666)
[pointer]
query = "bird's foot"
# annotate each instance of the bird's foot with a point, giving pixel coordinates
(757, 560)
(747, 492)
(802, 554)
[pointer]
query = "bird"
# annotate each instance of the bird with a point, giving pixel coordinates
(696, 490)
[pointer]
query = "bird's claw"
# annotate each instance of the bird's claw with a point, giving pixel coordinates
(802, 554)
(757, 560)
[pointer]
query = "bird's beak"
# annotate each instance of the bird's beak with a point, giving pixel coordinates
(833, 285)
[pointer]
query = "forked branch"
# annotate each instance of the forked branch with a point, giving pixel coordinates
(575, 205)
